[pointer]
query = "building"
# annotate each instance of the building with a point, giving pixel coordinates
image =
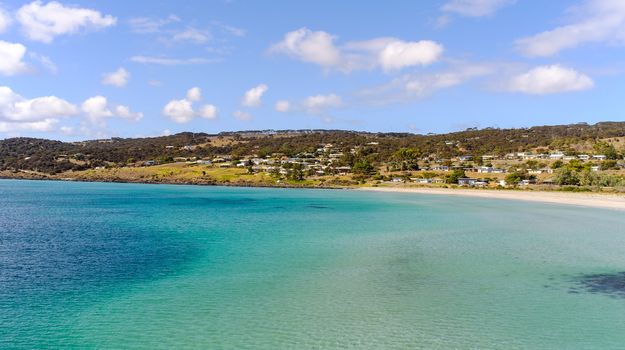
(467, 181)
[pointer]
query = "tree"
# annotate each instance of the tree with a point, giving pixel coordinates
(363, 167)
(557, 164)
(566, 176)
(454, 176)
(607, 149)
(407, 158)
(514, 178)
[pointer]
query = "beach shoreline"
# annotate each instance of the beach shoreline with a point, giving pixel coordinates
(582, 199)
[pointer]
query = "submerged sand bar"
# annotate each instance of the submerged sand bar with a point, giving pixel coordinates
(587, 199)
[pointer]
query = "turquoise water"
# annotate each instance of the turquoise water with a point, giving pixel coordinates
(92, 265)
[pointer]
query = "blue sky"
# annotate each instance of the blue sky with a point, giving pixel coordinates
(74, 70)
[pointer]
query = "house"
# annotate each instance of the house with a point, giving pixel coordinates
(343, 170)
(423, 181)
(204, 162)
(490, 170)
(466, 181)
(599, 157)
(440, 168)
(465, 158)
(526, 182)
(583, 157)
(149, 163)
(397, 179)
(556, 155)
(595, 168)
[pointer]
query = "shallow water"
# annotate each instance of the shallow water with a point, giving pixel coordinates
(92, 265)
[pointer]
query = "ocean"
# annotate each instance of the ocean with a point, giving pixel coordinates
(133, 266)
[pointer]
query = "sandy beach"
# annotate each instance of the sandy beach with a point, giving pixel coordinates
(597, 200)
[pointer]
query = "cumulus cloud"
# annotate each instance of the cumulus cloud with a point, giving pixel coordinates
(11, 58)
(318, 47)
(400, 54)
(38, 114)
(308, 46)
(39, 126)
(97, 109)
(165, 61)
(208, 111)
(194, 94)
(124, 112)
(182, 111)
(253, 96)
(44, 22)
(317, 103)
(283, 106)
(241, 115)
(117, 78)
(5, 20)
(598, 21)
(475, 8)
(14, 107)
(550, 79)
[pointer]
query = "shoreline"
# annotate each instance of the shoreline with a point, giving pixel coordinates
(582, 199)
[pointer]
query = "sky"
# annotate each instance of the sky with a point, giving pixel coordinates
(74, 70)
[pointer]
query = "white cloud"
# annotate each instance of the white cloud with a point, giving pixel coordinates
(164, 61)
(117, 78)
(318, 103)
(244, 116)
(45, 61)
(39, 126)
(475, 8)
(146, 25)
(208, 112)
(400, 54)
(191, 35)
(14, 107)
(38, 114)
(598, 21)
(5, 20)
(253, 96)
(180, 111)
(550, 79)
(308, 46)
(194, 94)
(11, 56)
(97, 109)
(388, 53)
(124, 112)
(412, 87)
(44, 22)
(283, 106)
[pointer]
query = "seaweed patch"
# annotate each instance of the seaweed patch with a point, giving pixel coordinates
(612, 284)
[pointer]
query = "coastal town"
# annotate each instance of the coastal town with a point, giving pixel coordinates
(591, 159)
(490, 170)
